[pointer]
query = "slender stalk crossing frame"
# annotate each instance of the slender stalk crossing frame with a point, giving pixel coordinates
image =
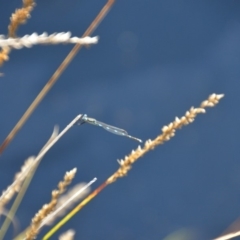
(55, 76)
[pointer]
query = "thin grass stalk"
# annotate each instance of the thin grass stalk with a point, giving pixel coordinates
(17, 202)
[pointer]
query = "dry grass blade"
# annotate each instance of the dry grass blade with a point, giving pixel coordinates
(13, 220)
(41, 154)
(56, 75)
(125, 165)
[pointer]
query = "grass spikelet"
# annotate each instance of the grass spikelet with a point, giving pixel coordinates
(20, 16)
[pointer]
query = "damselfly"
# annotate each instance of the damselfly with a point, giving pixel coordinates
(85, 119)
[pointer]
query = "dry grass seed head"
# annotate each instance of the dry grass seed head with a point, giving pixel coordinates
(72, 196)
(19, 17)
(48, 208)
(167, 133)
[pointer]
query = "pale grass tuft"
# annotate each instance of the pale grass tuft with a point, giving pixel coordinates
(48, 208)
(67, 180)
(34, 39)
(9, 193)
(29, 164)
(168, 132)
(25, 166)
(68, 235)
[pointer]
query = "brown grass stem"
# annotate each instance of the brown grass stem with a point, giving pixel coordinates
(55, 76)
